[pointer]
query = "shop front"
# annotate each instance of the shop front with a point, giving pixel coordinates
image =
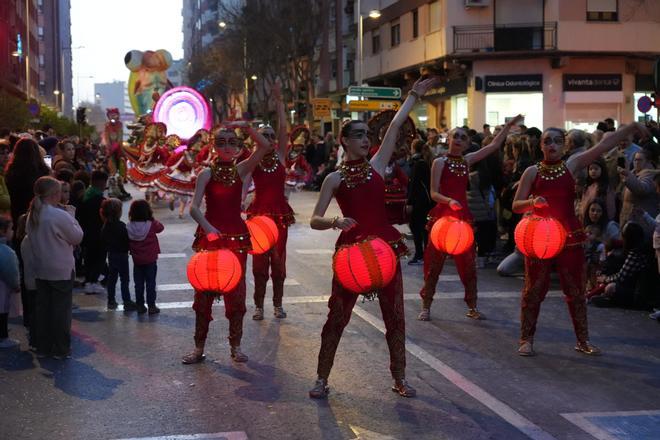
(592, 97)
(509, 95)
(644, 87)
(447, 104)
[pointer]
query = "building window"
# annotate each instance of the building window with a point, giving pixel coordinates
(415, 23)
(375, 41)
(602, 10)
(40, 32)
(41, 60)
(333, 68)
(434, 16)
(395, 33)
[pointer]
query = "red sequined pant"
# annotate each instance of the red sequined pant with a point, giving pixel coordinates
(234, 310)
(341, 305)
(434, 261)
(276, 259)
(570, 264)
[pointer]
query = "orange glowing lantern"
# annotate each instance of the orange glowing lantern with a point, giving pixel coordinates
(540, 237)
(214, 271)
(366, 266)
(452, 235)
(263, 233)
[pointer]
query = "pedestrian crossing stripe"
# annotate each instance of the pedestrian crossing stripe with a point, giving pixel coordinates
(236, 435)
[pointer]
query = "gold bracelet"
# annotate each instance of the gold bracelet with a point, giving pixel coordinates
(415, 95)
(334, 222)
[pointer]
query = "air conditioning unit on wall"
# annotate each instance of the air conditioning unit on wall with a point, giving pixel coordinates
(477, 3)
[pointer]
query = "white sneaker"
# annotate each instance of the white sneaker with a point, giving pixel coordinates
(8, 343)
(655, 314)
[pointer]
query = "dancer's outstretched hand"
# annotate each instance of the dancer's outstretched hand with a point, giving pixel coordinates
(423, 85)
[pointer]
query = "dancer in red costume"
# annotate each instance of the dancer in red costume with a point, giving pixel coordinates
(178, 180)
(449, 181)
(222, 227)
(359, 188)
(153, 155)
(548, 189)
(298, 171)
(269, 200)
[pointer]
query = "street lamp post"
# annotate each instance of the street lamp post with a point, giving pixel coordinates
(57, 94)
(374, 13)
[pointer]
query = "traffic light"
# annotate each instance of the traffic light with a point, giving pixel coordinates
(81, 115)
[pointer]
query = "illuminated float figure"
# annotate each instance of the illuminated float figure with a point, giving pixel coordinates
(359, 189)
(548, 190)
(449, 182)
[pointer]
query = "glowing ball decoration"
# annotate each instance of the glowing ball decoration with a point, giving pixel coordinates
(366, 266)
(263, 233)
(452, 235)
(214, 271)
(184, 111)
(540, 237)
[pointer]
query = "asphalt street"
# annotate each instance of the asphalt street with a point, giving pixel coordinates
(125, 379)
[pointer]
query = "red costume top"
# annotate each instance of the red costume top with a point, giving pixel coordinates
(223, 211)
(298, 170)
(361, 196)
(453, 184)
(185, 166)
(269, 198)
(556, 185)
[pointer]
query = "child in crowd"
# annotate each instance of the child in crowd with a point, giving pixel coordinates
(10, 286)
(114, 236)
(594, 253)
(89, 217)
(143, 243)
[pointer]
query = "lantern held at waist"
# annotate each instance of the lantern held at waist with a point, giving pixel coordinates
(452, 235)
(366, 266)
(214, 271)
(263, 233)
(540, 237)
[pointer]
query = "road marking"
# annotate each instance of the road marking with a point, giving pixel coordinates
(236, 435)
(287, 282)
(365, 434)
(171, 287)
(488, 400)
(582, 421)
(173, 255)
(309, 299)
(315, 251)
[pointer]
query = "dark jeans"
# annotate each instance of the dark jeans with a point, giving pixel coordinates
(145, 274)
(53, 316)
(118, 267)
(418, 229)
(94, 261)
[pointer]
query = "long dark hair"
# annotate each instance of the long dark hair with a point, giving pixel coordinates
(140, 211)
(26, 163)
(602, 223)
(633, 237)
(603, 181)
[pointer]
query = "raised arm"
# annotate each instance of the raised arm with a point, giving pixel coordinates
(582, 160)
(263, 146)
(195, 211)
(282, 135)
(318, 221)
(382, 157)
(495, 145)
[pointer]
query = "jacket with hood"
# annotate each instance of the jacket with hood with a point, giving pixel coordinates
(143, 241)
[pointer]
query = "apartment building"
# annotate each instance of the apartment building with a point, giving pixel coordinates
(567, 63)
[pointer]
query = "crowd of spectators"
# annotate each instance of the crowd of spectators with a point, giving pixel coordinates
(57, 231)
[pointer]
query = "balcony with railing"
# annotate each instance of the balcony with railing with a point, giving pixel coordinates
(505, 38)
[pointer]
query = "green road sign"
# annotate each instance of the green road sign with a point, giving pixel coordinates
(375, 92)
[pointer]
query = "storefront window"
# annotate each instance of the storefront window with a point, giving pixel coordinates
(500, 106)
(639, 116)
(459, 111)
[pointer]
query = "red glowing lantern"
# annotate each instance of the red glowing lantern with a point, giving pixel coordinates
(263, 233)
(540, 237)
(452, 235)
(214, 271)
(366, 266)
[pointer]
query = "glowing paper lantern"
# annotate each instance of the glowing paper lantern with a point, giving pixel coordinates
(366, 266)
(184, 111)
(452, 235)
(263, 233)
(540, 237)
(214, 271)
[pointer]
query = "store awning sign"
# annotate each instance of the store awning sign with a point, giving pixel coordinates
(448, 88)
(514, 83)
(592, 82)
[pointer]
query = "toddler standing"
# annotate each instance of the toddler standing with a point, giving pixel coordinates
(114, 236)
